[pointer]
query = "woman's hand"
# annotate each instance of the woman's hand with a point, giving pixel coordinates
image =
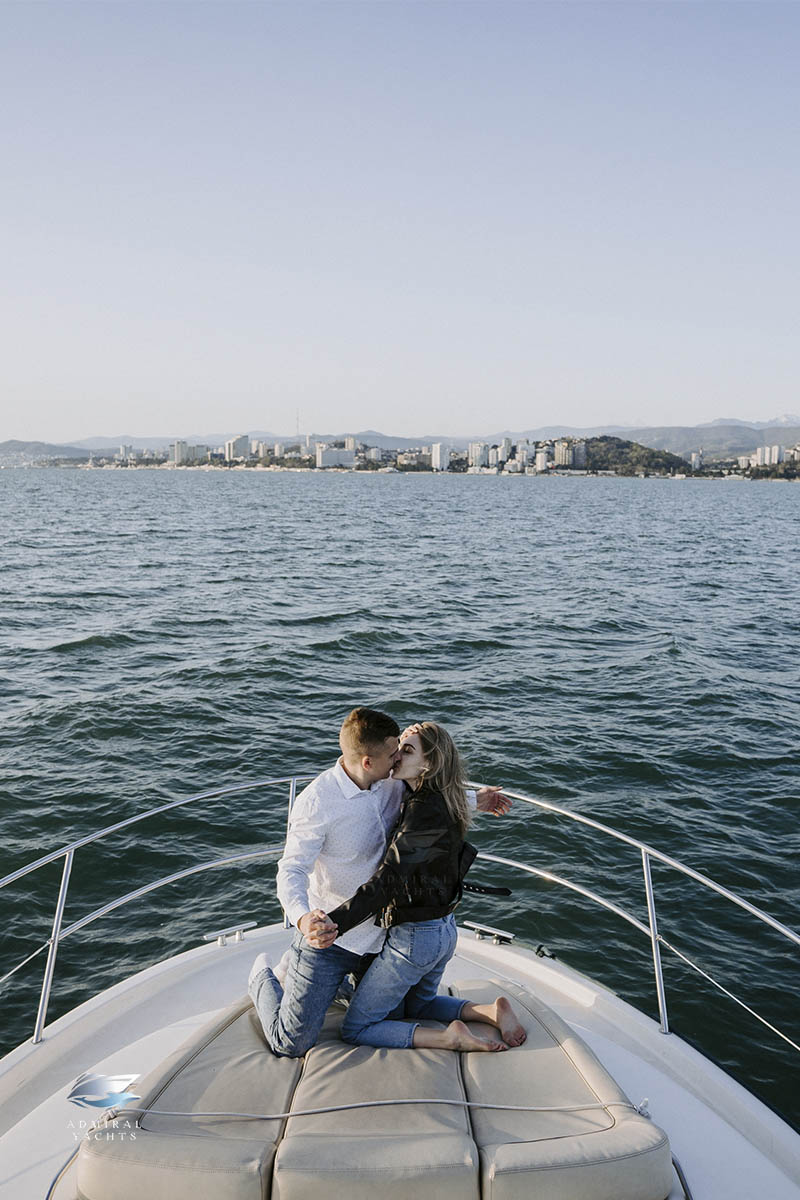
(491, 800)
(409, 729)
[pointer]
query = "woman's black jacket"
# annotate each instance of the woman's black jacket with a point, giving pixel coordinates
(422, 871)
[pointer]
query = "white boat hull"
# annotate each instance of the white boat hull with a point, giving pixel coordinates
(730, 1145)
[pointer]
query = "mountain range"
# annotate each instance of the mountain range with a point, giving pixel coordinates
(724, 437)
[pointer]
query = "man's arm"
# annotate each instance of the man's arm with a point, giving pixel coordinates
(304, 841)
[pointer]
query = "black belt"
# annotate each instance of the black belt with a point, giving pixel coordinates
(484, 890)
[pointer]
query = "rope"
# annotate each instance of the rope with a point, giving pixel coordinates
(375, 1104)
(687, 1191)
(313, 1112)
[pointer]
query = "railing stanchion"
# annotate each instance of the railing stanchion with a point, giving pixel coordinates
(292, 793)
(651, 913)
(49, 970)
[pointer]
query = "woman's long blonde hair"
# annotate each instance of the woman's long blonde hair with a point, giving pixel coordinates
(443, 771)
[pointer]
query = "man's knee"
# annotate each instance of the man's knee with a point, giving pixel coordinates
(290, 1045)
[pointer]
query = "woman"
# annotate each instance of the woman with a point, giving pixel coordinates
(414, 891)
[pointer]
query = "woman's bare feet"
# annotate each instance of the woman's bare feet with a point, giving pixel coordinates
(501, 1015)
(506, 1021)
(458, 1037)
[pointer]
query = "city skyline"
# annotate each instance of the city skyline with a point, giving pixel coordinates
(784, 420)
(509, 455)
(216, 212)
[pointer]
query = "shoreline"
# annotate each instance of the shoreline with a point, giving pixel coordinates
(209, 469)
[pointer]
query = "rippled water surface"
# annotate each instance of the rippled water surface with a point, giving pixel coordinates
(625, 648)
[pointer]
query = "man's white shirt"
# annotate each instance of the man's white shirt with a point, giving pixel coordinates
(336, 841)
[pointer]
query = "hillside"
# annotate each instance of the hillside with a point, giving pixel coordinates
(15, 453)
(717, 441)
(628, 458)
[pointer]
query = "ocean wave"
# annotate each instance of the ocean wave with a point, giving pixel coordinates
(99, 641)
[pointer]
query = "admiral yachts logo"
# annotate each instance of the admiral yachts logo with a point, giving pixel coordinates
(102, 1091)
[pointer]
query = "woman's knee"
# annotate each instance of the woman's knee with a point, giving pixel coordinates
(351, 1029)
(416, 1005)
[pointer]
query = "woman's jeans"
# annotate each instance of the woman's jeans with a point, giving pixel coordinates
(408, 969)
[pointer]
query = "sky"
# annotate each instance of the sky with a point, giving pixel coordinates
(419, 217)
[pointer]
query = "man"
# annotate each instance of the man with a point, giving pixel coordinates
(338, 830)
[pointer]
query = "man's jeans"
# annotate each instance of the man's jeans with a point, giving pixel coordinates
(410, 965)
(292, 1016)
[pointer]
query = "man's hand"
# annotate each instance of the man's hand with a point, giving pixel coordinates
(409, 729)
(318, 929)
(491, 800)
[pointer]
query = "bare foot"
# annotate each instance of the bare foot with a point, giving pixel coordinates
(458, 1037)
(511, 1031)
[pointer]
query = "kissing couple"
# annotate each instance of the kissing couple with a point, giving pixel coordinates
(372, 870)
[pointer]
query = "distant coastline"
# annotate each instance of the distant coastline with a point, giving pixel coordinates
(765, 475)
(604, 455)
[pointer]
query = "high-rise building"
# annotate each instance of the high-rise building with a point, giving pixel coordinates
(504, 450)
(697, 460)
(478, 454)
(179, 453)
(279, 449)
(776, 455)
(335, 457)
(579, 454)
(494, 456)
(440, 457)
(563, 453)
(374, 454)
(238, 447)
(542, 459)
(350, 442)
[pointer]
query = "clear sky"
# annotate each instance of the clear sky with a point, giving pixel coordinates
(425, 217)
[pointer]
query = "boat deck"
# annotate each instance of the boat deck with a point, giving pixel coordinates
(130, 1028)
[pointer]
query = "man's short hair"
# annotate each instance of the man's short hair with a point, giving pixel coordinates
(364, 731)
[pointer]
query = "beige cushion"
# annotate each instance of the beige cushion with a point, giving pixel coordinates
(225, 1067)
(600, 1154)
(395, 1152)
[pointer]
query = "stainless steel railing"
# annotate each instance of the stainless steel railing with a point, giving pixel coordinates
(646, 930)
(68, 854)
(657, 941)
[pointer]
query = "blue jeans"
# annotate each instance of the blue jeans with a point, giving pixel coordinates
(292, 1017)
(410, 966)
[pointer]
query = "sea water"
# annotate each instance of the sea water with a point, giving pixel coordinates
(624, 648)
